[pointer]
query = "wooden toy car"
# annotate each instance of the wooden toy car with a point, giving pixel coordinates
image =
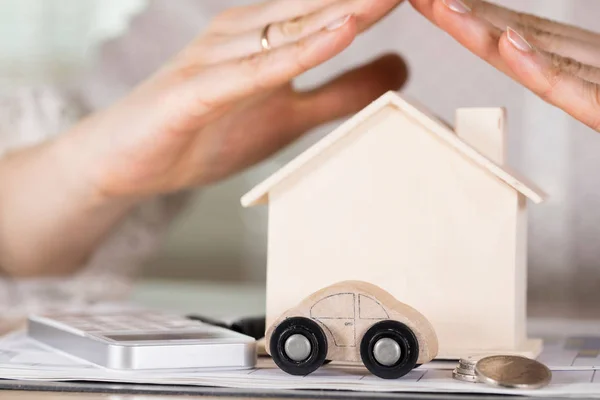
(352, 321)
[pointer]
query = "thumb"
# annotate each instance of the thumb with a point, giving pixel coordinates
(350, 92)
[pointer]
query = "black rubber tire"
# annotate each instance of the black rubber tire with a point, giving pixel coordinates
(309, 329)
(403, 335)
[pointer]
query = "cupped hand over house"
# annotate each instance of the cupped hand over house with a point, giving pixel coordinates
(226, 101)
(558, 62)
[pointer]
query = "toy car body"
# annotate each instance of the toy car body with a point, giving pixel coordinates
(352, 321)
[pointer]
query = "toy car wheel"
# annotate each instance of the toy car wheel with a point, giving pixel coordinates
(298, 346)
(389, 349)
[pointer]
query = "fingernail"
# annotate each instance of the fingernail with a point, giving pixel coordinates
(457, 6)
(518, 41)
(338, 23)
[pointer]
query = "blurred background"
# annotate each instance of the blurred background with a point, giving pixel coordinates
(99, 49)
(46, 41)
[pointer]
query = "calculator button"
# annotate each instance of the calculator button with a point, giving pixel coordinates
(124, 323)
(85, 327)
(114, 327)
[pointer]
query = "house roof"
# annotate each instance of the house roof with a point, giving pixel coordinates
(260, 193)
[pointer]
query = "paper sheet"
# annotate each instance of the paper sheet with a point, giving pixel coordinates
(574, 361)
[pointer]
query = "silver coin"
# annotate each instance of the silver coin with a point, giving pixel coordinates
(465, 371)
(513, 372)
(466, 367)
(462, 377)
(469, 363)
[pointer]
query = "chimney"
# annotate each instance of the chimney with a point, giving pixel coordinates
(485, 130)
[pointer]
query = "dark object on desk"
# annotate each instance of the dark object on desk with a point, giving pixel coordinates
(253, 327)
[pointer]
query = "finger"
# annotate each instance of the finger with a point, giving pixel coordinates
(573, 67)
(369, 12)
(584, 52)
(281, 33)
(482, 38)
(554, 37)
(223, 84)
(277, 34)
(257, 16)
(576, 96)
(350, 92)
(503, 18)
(289, 31)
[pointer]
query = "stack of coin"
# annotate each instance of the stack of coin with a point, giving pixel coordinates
(512, 372)
(503, 371)
(465, 371)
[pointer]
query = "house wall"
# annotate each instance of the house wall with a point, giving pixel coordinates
(397, 207)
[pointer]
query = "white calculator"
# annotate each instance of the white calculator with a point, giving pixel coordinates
(143, 340)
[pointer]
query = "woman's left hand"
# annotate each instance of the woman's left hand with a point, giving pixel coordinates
(558, 62)
(222, 104)
(226, 102)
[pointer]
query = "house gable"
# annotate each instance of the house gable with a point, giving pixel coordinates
(260, 194)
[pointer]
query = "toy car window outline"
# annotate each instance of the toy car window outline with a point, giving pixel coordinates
(340, 313)
(364, 299)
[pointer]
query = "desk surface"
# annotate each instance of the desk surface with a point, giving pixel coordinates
(230, 300)
(94, 391)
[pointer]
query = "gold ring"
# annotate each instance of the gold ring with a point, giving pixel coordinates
(264, 39)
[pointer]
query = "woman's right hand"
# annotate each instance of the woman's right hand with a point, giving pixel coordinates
(558, 62)
(225, 103)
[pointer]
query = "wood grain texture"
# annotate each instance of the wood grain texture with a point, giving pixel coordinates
(346, 310)
(392, 204)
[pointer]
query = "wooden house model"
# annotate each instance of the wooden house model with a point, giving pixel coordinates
(431, 214)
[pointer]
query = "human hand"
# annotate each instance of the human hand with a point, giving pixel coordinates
(558, 62)
(224, 103)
